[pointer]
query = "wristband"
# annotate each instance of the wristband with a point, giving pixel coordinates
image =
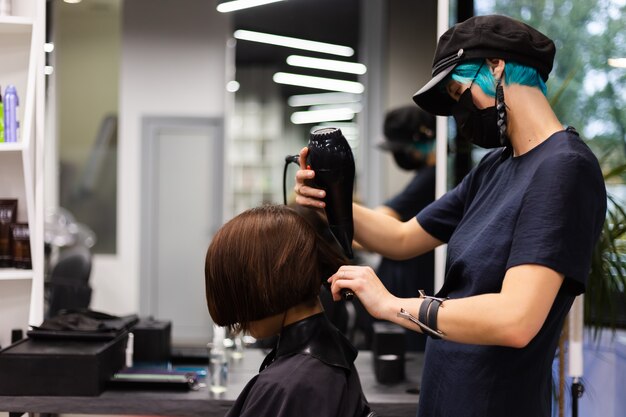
(427, 321)
(431, 314)
(422, 315)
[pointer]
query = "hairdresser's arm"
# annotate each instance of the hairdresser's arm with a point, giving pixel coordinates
(374, 230)
(388, 211)
(390, 237)
(511, 317)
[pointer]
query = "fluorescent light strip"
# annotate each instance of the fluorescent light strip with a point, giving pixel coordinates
(326, 64)
(318, 82)
(327, 48)
(231, 6)
(322, 98)
(355, 107)
(317, 116)
(617, 62)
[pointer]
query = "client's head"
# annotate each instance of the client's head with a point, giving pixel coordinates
(264, 262)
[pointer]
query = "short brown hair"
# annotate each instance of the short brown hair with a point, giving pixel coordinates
(264, 261)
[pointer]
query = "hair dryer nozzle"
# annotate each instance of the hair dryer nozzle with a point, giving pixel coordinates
(330, 156)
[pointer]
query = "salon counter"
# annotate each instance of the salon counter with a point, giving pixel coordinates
(386, 400)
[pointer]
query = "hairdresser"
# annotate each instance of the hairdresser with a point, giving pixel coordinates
(520, 228)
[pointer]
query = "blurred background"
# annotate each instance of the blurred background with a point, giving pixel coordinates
(166, 118)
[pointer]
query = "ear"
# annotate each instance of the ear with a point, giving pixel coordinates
(496, 66)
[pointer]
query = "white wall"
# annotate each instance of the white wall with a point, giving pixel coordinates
(172, 64)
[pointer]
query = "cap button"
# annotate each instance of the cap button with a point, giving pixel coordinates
(460, 52)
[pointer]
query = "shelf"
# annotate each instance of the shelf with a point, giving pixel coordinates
(11, 147)
(7, 274)
(15, 24)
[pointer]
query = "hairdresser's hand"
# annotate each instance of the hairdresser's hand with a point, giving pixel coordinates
(305, 194)
(362, 280)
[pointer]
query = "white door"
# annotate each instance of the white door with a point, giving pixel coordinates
(181, 210)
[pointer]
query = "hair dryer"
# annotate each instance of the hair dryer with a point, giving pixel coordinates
(331, 158)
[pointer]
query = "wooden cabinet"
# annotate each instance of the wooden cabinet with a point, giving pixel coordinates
(22, 62)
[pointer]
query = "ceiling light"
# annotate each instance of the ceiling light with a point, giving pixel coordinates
(232, 86)
(617, 62)
(317, 116)
(326, 64)
(327, 48)
(318, 82)
(233, 5)
(355, 107)
(300, 100)
(72, 1)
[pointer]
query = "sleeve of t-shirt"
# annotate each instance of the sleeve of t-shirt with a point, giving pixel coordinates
(442, 216)
(561, 217)
(418, 193)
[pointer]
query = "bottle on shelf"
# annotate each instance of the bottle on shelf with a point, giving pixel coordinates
(5, 8)
(20, 234)
(1, 118)
(11, 123)
(8, 214)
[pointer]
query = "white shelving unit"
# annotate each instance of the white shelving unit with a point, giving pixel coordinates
(21, 164)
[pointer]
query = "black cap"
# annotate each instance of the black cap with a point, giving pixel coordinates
(403, 127)
(492, 36)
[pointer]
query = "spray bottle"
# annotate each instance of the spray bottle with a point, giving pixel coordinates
(11, 124)
(218, 361)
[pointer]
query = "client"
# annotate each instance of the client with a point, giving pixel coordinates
(263, 274)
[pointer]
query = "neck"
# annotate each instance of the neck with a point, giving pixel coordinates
(530, 118)
(301, 312)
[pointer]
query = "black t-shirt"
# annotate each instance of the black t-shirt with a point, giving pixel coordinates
(418, 193)
(544, 207)
(404, 278)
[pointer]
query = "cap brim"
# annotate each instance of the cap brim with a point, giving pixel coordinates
(433, 99)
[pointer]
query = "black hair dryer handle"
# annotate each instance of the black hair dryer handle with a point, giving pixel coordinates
(330, 156)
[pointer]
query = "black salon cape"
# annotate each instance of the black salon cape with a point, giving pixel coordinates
(310, 373)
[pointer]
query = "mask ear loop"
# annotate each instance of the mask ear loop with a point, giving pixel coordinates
(501, 113)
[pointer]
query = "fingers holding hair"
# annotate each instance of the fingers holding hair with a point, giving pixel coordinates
(363, 281)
